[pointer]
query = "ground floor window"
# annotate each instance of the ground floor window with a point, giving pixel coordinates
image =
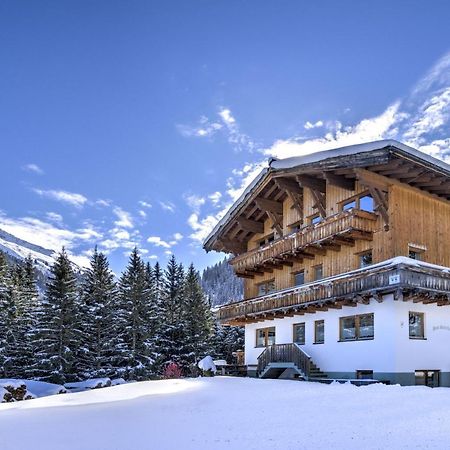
(319, 331)
(427, 378)
(299, 333)
(364, 374)
(265, 337)
(354, 328)
(416, 325)
(299, 278)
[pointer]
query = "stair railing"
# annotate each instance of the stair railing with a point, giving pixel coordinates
(285, 353)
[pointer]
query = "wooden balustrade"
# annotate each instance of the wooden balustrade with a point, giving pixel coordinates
(351, 224)
(374, 280)
(285, 353)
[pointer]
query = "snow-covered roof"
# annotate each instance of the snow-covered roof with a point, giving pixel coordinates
(295, 161)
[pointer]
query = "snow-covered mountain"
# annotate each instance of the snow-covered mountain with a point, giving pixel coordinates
(18, 249)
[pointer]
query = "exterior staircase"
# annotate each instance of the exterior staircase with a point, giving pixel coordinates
(287, 361)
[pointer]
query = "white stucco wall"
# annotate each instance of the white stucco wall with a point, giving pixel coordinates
(391, 350)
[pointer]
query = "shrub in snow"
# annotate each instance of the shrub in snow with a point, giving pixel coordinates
(14, 392)
(172, 370)
(207, 366)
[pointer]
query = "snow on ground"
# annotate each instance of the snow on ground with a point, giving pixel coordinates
(231, 413)
(36, 388)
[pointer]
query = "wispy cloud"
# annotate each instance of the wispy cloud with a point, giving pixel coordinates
(124, 218)
(33, 168)
(226, 124)
(158, 242)
(71, 198)
(194, 202)
(167, 206)
(309, 125)
(144, 204)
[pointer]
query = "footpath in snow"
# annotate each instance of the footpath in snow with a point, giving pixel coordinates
(231, 413)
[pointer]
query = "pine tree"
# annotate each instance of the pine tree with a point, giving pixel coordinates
(133, 319)
(59, 333)
(24, 298)
(97, 355)
(198, 319)
(172, 344)
(226, 340)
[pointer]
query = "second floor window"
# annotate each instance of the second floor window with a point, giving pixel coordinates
(265, 337)
(362, 201)
(318, 272)
(266, 240)
(266, 287)
(365, 259)
(299, 278)
(416, 325)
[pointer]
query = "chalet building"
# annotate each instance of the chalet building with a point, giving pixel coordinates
(345, 255)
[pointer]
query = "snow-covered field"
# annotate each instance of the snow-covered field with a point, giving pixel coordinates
(231, 413)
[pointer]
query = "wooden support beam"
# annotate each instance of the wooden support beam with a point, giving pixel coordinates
(235, 246)
(339, 181)
(269, 205)
(288, 185)
(319, 202)
(310, 182)
(277, 221)
(250, 225)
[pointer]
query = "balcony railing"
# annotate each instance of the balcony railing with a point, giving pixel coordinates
(396, 275)
(350, 225)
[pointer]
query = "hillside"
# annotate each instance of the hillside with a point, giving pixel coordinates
(221, 285)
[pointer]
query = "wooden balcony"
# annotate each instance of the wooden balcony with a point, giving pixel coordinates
(340, 229)
(402, 276)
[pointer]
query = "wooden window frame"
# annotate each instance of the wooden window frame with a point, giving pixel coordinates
(312, 217)
(419, 251)
(266, 336)
(304, 333)
(263, 241)
(422, 337)
(316, 322)
(294, 274)
(314, 272)
(266, 282)
(360, 254)
(357, 337)
(354, 198)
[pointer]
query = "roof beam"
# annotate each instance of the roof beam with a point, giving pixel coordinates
(312, 183)
(250, 225)
(339, 181)
(269, 205)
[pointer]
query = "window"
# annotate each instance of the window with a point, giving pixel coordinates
(349, 205)
(296, 227)
(319, 332)
(299, 333)
(315, 219)
(366, 203)
(355, 328)
(266, 240)
(365, 259)
(428, 378)
(266, 287)
(299, 278)
(364, 374)
(415, 254)
(318, 272)
(265, 337)
(362, 201)
(416, 325)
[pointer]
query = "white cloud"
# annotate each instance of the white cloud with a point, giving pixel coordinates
(194, 202)
(167, 206)
(33, 168)
(124, 218)
(309, 125)
(103, 202)
(215, 197)
(178, 236)
(77, 200)
(226, 124)
(54, 217)
(142, 213)
(152, 257)
(145, 204)
(158, 242)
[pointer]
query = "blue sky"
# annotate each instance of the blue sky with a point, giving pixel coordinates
(129, 123)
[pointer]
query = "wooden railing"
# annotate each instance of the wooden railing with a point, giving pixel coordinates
(389, 276)
(285, 353)
(341, 224)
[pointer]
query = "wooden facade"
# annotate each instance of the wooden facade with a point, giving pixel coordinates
(320, 218)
